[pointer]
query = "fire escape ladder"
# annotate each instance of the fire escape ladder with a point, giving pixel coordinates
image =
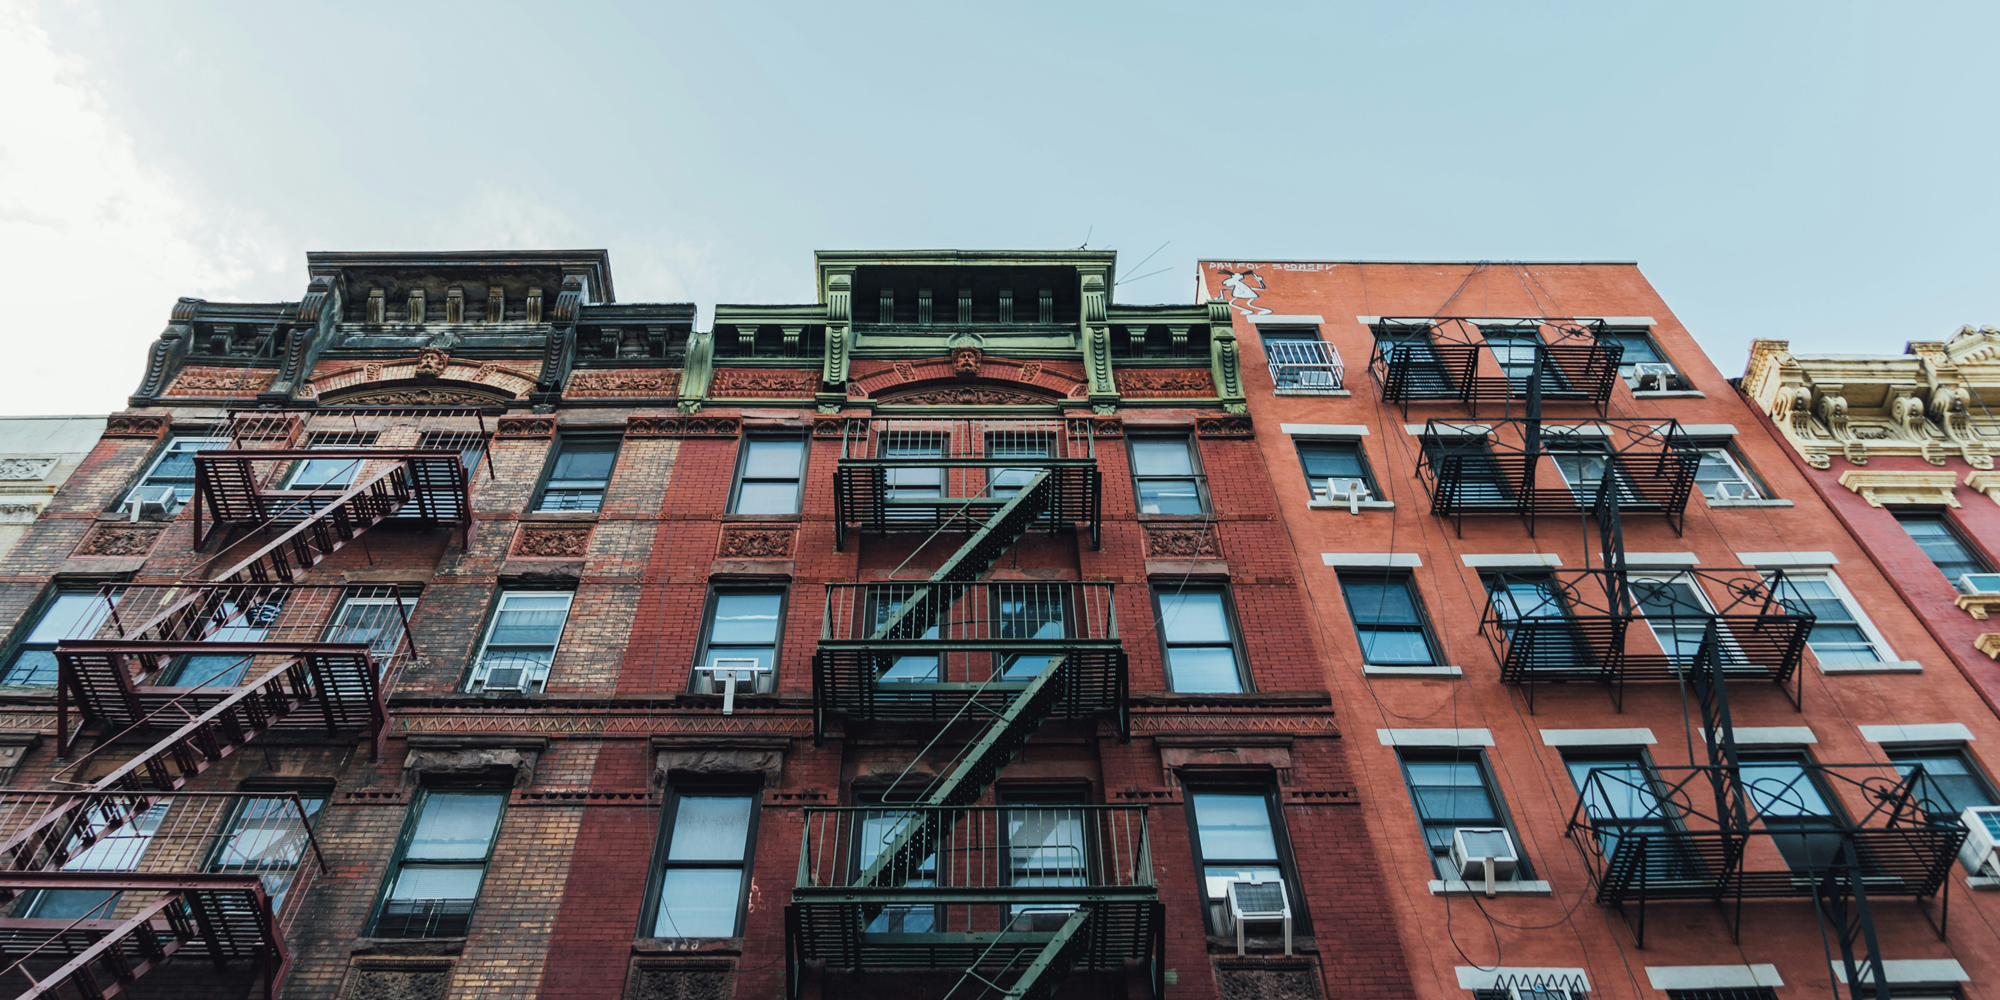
(1840, 892)
(320, 531)
(1057, 957)
(132, 949)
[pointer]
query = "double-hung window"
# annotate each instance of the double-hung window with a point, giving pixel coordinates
(1046, 846)
(1324, 460)
(1029, 611)
(1464, 469)
(1940, 541)
(446, 847)
(743, 624)
(1200, 644)
(1238, 838)
(240, 623)
(175, 466)
(1796, 808)
(521, 641)
(704, 868)
(1840, 633)
(1584, 464)
(329, 474)
(1413, 364)
(1388, 619)
(1676, 611)
(1453, 789)
(580, 473)
(768, 475)
(1514, 596)
(1640, 357)
(72, 614)
(98, 847)
(907, 482)
(376, 616)
(1621, 797)
(884, 600)
(1951, 782)
(1301, 363)
(1032, 447)
(1164, 476)
(875, 830)
(267, 836)
(1515, 350)
(471, 447)
(1723, 475)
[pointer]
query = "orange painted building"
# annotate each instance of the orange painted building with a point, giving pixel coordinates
(1538, 530)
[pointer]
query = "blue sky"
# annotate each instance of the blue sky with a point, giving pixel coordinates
(1822, 172)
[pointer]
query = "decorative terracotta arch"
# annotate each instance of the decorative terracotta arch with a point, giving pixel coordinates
(966, 373)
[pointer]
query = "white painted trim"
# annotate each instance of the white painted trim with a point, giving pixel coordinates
(1706, 431)
(1846, 598)
(1712, 977)
(1435, 737)
(1511, 887)
(1474, 978)
(1935, 732)
(1788, 560)
(1915, 970)
(1342, 505)
(1450, 430)
(1672, 394)
(1653, 560)
(1380, 670)
(1512, 560)
(1623, 320)
(1301, 319)
(1597, 737)
(1326, 430)
(1723, 504)
(1373, 560)
(1790, 736)
(1889, 667)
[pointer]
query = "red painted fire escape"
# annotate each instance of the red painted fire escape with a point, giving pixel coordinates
(292, 487)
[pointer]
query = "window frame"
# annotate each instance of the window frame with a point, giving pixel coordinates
(706, 639)
(1671, 821)
(1958, 750)
(1524, 869)
(320, 442)
(1876, 641)
(1938, 515)
(1631, 379)
(743, 464)
(1732, 456)
(19, 641)
(1194, 474)
(1360, 446)
(1244, 681)
(1424, 625)
(1302, 333)
(1672, 577)
(1264, 787)
(476, 671)
(1045, 797)
(656, 878)
(166, 451)
(322, 793)
(401, 856)
(563, 443)
(404, 599)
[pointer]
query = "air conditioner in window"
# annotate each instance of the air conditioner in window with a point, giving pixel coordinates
(153, 503)
(1349, 491)
(1484, 854)
(723, 674)
(1258, 902)
(1980, 853)
(1979, 583)
(1655, 376)
(1731, 491)
(510, 675)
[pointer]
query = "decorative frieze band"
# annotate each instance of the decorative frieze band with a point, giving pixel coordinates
(664, 425)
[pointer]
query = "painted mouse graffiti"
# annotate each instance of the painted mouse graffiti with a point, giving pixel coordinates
(1243, 287)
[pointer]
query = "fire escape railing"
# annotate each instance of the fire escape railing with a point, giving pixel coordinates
(930, 474)
(1531, 469)
(1458, 361)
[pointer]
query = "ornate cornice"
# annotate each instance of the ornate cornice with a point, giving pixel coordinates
(1915, 487)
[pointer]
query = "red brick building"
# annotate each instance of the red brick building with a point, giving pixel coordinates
(459, 630)
(1598, 617)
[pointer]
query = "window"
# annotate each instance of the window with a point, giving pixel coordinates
(1951, 783)
(1453, 789)
(1388, 619)
(1583, 466)
(1464, 469)
(70, 615)
(1840, 633)
(1301, 363)
(743, 625)
(912, 483)
(1734, 993)
(110, 849)
(175, 466)
(1164, 477)
(876, 830)
(1519, 595)
(267, 836)
(1413, 363)
(329, 473)
(1029, 611)
(240, 624)
(445, 848)
(1046, 846)
(1621, 793)
(1324, 460)
(1942, 543)
(1793, 805)
(470, 447)
(521, 641)
(1515, 348)
(1237, 839)
(1200, 646)
(768, 480)
(704, 869)
(886, 599)
(373, 615)
(1722, 474)
(1638, 349)
(1035, 447)
(1676, 611)
(579, 474)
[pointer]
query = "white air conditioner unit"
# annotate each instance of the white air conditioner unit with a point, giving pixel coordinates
(723, 674)
(1349, 491)
(1259, 902)
(1980, 854)
(1979, 583)
(1484, 854)
(153, 503)
(1317, 377)
(1731, 491)
(512, 677)
(1656, 376)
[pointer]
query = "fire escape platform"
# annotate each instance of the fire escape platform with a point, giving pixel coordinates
(1455, 364)
(334, 684)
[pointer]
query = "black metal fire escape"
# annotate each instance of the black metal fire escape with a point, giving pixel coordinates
(1009, 900)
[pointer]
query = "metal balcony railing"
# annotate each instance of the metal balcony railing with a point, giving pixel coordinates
(921, 650)
(1305, 367)
(1600, 625)
(1493, 361)
(953, 474)
(1534, 468)
(1761, 830)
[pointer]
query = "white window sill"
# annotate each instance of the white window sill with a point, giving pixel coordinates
(1377, 670)
(1670, 394)
(1749, 503)
(1982, 883)
(1342, 504)
(1289, 391)
(1509, 888)
(1884, 667)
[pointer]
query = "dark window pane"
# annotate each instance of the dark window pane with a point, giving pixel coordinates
(585, 460)
(1946, 550)
(1331, 459)
(1161, 458)
(773, 459)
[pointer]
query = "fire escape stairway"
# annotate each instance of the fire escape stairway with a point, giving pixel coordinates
(222, 917)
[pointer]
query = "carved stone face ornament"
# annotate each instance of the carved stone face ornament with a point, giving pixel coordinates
(965, 361)
(431, 362)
